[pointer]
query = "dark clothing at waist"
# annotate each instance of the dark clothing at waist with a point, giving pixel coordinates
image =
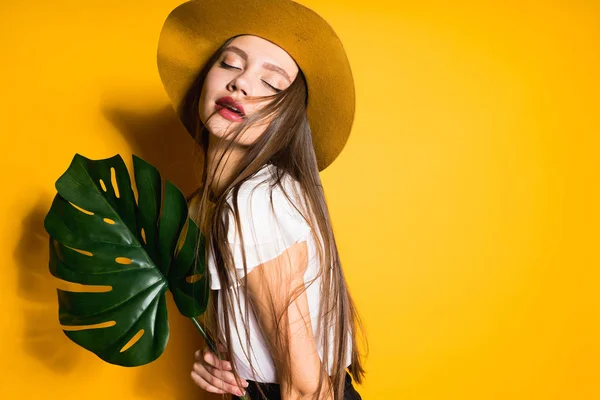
(272, 390)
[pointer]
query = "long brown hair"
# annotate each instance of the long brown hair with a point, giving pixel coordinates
(287, 144)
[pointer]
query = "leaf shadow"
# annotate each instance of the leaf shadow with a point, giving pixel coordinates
(159, 137)
(43, 337)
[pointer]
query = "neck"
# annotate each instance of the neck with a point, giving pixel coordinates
(222, 173)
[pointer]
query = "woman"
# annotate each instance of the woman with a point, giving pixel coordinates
(269, 108)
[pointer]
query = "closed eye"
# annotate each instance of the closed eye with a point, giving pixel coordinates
(227, 66)
(272, 87)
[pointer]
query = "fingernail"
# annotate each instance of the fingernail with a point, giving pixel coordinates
(245, 384)
(240, 393)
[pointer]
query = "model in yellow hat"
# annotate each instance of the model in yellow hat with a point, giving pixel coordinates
(265, 88)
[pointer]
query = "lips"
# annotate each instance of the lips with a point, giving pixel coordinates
(231, 105)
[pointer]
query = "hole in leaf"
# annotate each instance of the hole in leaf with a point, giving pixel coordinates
(135, 191)
(102, 185)
(113, 180)
(107, 324)
(123, 260)
(80, 288)
(193, 278)
(182, 236)
(57, 249)
(109, 221)
(84, 252)
(81, 209)
(133, 340)
(144, 236)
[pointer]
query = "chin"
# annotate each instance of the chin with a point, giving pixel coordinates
(219, 128)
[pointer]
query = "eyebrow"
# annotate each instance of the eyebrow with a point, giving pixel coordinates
(266, 65)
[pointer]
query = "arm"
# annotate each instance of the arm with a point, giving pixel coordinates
(269, 288)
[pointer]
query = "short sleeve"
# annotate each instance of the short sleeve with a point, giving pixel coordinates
(269, 224)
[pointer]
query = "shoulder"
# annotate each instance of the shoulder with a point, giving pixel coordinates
(260, 192)
(265, 208)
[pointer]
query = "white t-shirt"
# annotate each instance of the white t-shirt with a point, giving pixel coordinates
(267, 232)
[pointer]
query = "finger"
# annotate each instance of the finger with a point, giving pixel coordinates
(212, 359)
(226, 376)
(221, 347)
(215, 382)
(217, 377)
(198, 380)
(199, 356)
(220, 373)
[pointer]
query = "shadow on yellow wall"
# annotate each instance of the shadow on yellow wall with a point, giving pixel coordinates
(159, 138)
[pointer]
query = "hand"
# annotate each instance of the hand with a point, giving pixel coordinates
(212, 374)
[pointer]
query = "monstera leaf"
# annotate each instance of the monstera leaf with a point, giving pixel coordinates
(120, 258)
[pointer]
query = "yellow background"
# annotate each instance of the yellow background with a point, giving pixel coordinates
(465, 203)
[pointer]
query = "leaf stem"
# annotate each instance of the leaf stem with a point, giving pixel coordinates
(211, 345)
(209, 342)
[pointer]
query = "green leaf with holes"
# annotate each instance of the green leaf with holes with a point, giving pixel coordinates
(120, 258)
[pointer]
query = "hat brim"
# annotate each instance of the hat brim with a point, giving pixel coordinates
(195, 30)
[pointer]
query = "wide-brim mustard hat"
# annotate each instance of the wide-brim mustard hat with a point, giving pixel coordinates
(195, 30)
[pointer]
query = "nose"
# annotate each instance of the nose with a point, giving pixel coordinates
(241, 83)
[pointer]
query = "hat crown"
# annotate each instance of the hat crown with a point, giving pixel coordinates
(195, 30)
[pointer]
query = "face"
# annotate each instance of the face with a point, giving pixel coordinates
(249, 67)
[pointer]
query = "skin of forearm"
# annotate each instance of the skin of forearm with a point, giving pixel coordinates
(270, 285)
(296, 394)
(305, 361)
